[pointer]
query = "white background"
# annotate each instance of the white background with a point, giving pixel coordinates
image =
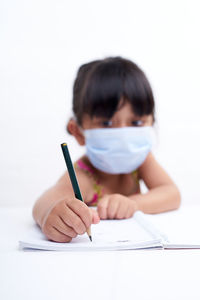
(42, 44)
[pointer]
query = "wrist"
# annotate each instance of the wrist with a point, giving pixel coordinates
(134, 205)
(136, 201)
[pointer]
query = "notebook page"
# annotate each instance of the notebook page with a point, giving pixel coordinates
(107, 235)
(181, 227)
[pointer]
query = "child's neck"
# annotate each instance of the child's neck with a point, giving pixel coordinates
(102, 176)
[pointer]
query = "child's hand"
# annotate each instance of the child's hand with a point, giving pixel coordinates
(67, 219)
(116, 206)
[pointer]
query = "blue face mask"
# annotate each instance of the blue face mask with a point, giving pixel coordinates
(118, 150)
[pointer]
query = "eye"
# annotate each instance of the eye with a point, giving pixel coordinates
(137, 123)
(106, 123)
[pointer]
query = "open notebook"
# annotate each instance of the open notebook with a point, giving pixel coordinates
(139, 232)
(133, 233)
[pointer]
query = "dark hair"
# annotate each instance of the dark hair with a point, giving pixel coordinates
(101, 84)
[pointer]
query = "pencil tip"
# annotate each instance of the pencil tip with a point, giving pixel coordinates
(90, 238)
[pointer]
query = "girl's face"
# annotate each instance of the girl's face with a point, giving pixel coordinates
(123, 117)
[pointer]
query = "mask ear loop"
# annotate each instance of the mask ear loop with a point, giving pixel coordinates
(80, 127)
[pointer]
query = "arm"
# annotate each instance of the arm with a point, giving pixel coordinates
(163, 194)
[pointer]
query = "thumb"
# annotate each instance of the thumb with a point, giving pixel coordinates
(95, 216)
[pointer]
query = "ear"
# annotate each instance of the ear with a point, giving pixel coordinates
(74, 129)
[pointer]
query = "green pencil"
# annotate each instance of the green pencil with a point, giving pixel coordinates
(73, 178)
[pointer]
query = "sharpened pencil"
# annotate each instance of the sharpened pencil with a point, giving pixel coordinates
(73, 178)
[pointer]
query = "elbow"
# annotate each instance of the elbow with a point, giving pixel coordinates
(176, 198)
(35, 213)
(34, 210)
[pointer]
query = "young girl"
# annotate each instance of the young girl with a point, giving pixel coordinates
(113, 109)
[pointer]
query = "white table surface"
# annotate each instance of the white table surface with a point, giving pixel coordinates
(150, 274)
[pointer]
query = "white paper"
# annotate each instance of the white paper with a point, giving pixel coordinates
(182, 228)
(107, 235)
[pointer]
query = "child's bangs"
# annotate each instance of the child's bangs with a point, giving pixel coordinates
(138, 92)
(102, 95)
(107, 86)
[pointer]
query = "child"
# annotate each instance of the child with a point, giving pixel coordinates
(113, 109)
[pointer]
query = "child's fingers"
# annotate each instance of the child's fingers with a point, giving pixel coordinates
(95, 217)
(102, 207)
(55, 235)
(121, 211)
(73, 220)
(83, 211)
(129, 213)
(64, 228)
(131, 209)
(113, 207)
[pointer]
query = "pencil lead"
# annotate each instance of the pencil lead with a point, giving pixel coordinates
(90, 238)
